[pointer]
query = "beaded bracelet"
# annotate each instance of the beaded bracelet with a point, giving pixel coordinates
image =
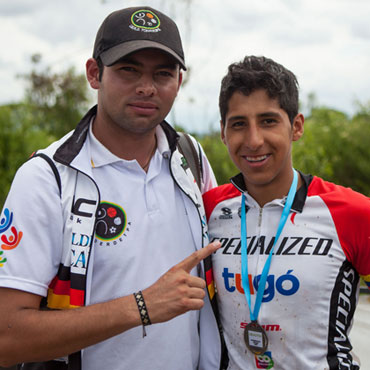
(144, 316)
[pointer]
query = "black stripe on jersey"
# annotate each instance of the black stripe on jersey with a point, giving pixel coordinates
(343, 304)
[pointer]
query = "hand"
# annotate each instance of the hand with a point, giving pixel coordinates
(177, 292)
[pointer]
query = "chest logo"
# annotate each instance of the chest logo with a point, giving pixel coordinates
(111, 222)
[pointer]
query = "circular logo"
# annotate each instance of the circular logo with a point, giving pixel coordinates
(145, 19)
(111, 221)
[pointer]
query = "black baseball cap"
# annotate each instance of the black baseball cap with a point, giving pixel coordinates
(132, 29)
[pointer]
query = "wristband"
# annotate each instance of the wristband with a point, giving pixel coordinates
(144, 316)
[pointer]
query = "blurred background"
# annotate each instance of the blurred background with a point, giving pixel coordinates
(325, 43)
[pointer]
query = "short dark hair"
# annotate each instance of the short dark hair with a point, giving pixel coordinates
(255, 73)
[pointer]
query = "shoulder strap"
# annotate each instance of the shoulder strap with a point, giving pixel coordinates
(191, 155)
(53, 167)
(74, 359)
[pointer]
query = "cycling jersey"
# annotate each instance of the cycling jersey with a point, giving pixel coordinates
(313, 283)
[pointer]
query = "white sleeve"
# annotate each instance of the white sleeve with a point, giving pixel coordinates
(31, 229)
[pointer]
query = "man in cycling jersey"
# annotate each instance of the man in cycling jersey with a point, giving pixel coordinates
(293, 245)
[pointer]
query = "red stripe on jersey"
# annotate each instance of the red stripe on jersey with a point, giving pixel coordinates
(351, 215)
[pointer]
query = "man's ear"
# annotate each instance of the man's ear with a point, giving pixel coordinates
(222, 131)
(92, 73)
(297, 127)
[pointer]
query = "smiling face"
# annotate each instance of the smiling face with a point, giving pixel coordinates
(259, 135)
(137, 93)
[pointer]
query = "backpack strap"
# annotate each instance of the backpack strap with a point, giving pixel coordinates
(192, 156)
(74, 359)
(53, 167)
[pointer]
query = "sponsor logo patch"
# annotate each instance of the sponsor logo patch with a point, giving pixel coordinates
(111, 223)
(286, 285)
(145, 20)
(226, 213)
(266, 327)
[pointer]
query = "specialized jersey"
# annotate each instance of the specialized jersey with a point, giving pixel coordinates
(313, 283)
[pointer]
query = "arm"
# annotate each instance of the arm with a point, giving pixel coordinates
(28, 334)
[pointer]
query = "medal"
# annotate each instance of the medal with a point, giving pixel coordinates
(254, 335)
(255, 338)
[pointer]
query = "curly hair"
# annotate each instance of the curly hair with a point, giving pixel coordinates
(255, 73)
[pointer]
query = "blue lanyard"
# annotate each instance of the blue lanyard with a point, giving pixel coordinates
(266, 268)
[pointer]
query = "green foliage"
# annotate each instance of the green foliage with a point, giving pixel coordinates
(57, 100)
(53, 105)
(19, 137)
(321, 144)
(336, 148)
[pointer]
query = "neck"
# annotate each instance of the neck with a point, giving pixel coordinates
(266, 193)
(126, 145)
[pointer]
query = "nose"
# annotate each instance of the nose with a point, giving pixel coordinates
(146, 86)
(254, 137)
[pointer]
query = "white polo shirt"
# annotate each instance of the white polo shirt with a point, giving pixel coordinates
(142, 231)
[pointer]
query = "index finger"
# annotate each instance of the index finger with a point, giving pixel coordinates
(190, 262)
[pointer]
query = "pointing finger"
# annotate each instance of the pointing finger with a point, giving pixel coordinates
(190, 262)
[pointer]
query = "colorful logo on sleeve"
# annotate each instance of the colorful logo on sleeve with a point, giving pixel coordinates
(111, 222)
(10, 237)
(264, 361)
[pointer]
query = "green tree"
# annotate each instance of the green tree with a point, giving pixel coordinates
(57, 100)
(335, 147)
(53, 105)
(321, 145)
(354, 168)
(19, 137)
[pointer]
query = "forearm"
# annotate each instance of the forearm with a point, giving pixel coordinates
(29, 335)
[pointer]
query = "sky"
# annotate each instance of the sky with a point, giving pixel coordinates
(326, 44)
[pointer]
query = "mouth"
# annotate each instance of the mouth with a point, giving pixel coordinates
(256, 159)
(143, 107)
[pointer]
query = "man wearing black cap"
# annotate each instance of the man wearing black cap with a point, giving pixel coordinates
(108, 224)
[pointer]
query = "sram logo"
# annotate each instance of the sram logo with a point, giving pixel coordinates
(267, 327)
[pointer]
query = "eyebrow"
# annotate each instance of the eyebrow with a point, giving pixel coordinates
(235, 118)
(261, 115)
(269, 114)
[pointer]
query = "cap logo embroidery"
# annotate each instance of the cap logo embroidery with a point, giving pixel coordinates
(145, 20)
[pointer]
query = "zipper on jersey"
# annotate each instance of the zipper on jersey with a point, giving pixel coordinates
(260, 217)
